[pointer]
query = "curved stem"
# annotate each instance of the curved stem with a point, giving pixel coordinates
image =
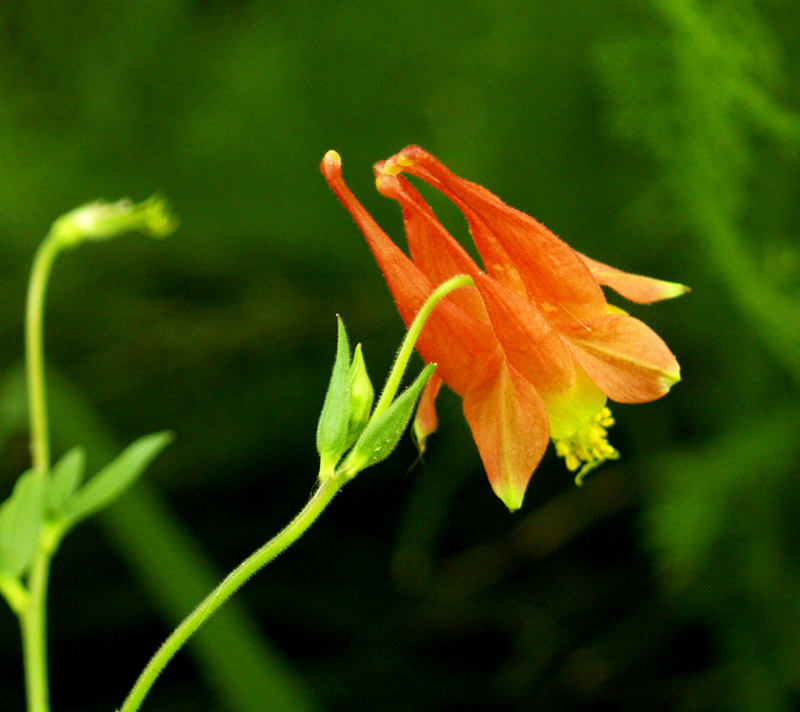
(33, 616)
(230, 585)
(410, 340)
(325, 492)
(34, 353)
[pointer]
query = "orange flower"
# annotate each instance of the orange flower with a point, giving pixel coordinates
(533, 348)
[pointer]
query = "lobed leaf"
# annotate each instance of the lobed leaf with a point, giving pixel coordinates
(65, 478)
(116, 477)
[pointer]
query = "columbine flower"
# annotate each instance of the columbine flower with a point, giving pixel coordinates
(533, 348)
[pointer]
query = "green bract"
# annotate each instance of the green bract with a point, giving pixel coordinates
(333, 425)
(362, 395)
(382, 433)
(348, 421)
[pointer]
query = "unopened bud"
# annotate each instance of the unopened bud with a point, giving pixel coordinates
(102, 221)
(362, 395)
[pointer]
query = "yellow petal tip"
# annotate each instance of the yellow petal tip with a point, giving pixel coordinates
(333, 157)
(674, 289)
(511, 498)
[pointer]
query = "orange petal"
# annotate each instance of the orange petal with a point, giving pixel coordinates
(426, 421)
(635, 287)
(509, 424)
(531, 344)
(510, 241)
(432, 248)
(624, 357)
(451, 337)
(539, 353)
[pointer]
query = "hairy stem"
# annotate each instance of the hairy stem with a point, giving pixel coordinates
(230, 585)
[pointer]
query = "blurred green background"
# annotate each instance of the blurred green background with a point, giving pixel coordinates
(661, 137)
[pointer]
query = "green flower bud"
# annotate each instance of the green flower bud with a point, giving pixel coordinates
(102, 221)
(334, 420)
(383, 432)
(362, 394)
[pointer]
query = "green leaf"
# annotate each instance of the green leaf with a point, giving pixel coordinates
(20, 524)
(65, 477)
(382, 434)
(116, 477)
(335, 416)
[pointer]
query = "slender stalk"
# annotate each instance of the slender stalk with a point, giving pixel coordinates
(325, 492)
(93, 221)
(33, 616)
(34, 636)
(34, 353)
(410, 340)
(230, 585)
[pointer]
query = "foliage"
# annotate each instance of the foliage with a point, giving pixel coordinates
(719, 516)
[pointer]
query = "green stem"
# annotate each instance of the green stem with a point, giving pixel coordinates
(93, 221)
(410, 341)
(34, 341)
(33, 616)
(34, 636)
(230, 585)
(325, 492)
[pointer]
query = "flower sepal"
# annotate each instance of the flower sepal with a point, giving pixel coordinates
(384, 431)
(334, 425)
(350, 435)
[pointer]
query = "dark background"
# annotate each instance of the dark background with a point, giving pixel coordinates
(660, 137)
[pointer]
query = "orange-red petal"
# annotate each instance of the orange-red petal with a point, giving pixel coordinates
(509, 424)
(511, 242)
(531, 344)
(426, 420)
(432, 248)
(538, 352)
(624, 357)
(452, 338)
(636, 287)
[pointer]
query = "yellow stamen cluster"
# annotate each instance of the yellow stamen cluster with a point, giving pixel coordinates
(588, 448)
